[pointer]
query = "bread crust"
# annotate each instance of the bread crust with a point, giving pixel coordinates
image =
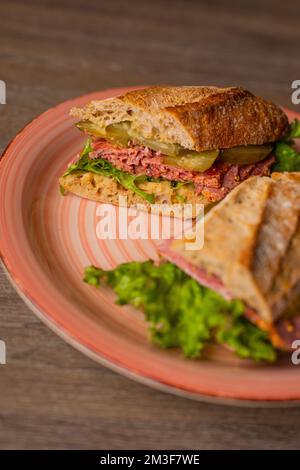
(197, 117)
(230, 121)
(251, 243)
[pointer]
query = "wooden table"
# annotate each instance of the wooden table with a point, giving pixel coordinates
(51, 395)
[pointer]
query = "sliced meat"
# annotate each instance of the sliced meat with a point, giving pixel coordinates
(213, 183)
(168, 249)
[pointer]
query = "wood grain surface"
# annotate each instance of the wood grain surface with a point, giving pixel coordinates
(51, 395)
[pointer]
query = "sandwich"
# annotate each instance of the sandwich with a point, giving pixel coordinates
(241, 290)
(174, 145)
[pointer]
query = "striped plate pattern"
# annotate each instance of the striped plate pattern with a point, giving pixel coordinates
(46, 240)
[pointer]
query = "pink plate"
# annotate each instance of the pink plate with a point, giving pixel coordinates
(46, 240)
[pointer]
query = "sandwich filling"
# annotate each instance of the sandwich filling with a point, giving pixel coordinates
(213, 173)
(213, 183)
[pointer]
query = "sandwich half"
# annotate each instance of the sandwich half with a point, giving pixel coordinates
(242, 289)
(174, 145)
(251, 252)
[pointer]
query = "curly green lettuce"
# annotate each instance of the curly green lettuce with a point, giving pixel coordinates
(182, 313)
(287, 157)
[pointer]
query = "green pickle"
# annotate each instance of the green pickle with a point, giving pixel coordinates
(193, 161)
(115, 133)
(118, 133)
(91, 128)
(245, 155)
(175, 155)
(164, 148)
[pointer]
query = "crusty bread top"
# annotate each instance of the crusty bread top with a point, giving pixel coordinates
(196, 117)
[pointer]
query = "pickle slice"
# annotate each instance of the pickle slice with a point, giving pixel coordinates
(166, 149)
(245, 155)
(193, 161)
(116, 133)
(175, 155)
(91, 128)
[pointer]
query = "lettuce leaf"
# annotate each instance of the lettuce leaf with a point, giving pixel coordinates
(287, 157)
(294, 130)
(103, 167)
(180, 312)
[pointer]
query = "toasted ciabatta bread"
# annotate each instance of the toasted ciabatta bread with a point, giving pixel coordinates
(249, 244)
(196, 117)
(106, 190)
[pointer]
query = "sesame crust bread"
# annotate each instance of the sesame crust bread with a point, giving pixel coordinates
(196, 117)
(105, 190)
